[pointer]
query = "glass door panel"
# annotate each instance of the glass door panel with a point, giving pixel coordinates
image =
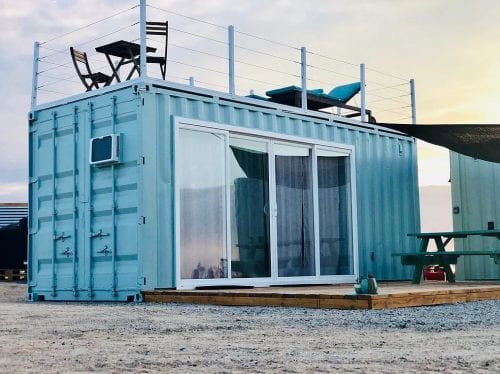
(201, 178)
(295, 218)
(333, 208)
(249, 188)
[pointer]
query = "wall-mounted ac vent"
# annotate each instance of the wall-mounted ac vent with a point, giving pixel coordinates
(105, 150)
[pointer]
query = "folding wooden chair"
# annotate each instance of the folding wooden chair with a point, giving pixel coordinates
(158, 28)
(80, 58)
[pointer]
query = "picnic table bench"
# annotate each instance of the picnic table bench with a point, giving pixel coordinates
(442, 257)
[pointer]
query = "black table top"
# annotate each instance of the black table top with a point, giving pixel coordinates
(456, 234)
(123, 49)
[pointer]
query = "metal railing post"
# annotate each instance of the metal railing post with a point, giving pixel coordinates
(362, 91)
(143, 72)
(34, 83)
(231, 58)
(191, 81)
(303, 75)
(412, 98)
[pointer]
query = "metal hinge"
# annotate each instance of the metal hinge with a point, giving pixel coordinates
(142, 220)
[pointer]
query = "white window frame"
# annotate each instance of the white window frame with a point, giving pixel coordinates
(343, 150)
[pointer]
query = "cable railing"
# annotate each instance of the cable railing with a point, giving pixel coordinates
(208, 55)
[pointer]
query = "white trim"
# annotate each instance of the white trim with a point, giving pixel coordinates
(266, 282)
(317, 247)
(227, 201)
(354, 213)
(273, 213)
(343, 149)
(177, 220)
(270, 138)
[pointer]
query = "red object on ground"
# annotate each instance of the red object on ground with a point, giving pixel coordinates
(434, 273)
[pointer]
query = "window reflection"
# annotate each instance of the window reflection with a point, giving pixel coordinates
(249, 184)
(201, 178)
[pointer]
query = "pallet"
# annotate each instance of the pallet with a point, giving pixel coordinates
(12, 275)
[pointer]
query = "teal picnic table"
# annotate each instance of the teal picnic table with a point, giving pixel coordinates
(442, 257)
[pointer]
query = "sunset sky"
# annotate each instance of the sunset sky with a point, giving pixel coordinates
(450, 48)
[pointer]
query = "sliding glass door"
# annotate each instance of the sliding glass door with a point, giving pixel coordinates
(336, 257)
(295, 211)
(201, 180)
(255, 210)
(249, 202)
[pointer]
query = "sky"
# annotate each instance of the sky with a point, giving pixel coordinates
(450, 48)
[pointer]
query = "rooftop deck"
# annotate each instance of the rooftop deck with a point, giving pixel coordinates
(210, 56)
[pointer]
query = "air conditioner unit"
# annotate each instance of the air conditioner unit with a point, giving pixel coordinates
(105, 150)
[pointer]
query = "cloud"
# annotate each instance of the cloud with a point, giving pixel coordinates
(450, 47)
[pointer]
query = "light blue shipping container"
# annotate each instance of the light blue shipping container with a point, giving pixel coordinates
(476, 206)
(110, 231)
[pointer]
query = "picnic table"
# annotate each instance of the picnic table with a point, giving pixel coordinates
(127, 52)
(442, 257)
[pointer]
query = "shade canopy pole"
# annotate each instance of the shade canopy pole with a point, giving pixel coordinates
(412, 98)
(143, 72)
(303, 75)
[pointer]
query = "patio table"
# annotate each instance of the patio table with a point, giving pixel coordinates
(128, 53)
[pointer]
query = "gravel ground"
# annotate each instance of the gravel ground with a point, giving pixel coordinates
(48, 337)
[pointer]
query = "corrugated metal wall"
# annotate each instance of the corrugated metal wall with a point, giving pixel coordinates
(475, 187)
(106, 233)
(387, 185)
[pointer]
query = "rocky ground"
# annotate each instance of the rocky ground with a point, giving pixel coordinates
(48, 337)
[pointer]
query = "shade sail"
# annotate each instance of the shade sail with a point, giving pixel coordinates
(477, 141)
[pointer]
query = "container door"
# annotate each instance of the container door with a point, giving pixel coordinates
(53, 213)
(110, 209)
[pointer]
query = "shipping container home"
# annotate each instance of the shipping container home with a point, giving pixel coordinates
(475, 186)
(149, 184)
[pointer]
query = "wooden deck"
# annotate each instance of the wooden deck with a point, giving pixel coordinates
(391, 295)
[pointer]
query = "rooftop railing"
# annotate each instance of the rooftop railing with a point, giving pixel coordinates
(217, 57)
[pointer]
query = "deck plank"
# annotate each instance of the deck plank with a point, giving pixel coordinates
(391, 295)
